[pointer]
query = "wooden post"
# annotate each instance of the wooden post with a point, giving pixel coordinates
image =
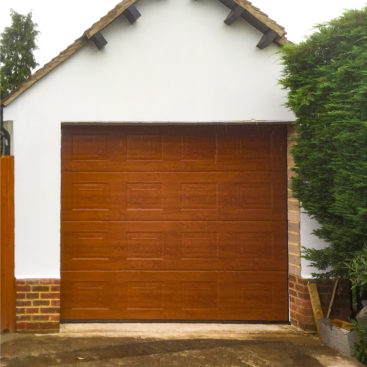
(332, 298)
(7, 284)
(316, 305)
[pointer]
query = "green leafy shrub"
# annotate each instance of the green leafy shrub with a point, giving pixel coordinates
(358, 277)
(358, 271)
(360, 348)
(326, 77)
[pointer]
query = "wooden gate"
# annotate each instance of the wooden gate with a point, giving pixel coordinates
(7, 290)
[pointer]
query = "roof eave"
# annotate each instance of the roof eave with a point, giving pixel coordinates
(251, 10)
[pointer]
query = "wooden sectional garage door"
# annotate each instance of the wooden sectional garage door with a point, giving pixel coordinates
(174, 223)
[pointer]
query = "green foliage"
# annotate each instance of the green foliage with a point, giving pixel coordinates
(360, 348)
(326, 77)
(358, 270)
(16, 52)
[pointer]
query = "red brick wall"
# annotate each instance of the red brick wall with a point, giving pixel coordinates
(300, 305)
(301, 314)
(37, 304)
(294, 247)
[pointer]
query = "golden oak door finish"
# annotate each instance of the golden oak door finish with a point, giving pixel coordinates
(174, 223)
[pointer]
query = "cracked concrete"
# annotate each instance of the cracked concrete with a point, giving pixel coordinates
(198, 346)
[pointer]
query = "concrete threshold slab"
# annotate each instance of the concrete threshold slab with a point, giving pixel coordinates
(175, 330)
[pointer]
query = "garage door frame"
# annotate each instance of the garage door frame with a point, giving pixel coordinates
(179, 124)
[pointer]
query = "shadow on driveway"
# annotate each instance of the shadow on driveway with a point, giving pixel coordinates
(47, 351)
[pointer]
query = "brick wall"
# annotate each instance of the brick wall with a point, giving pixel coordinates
(301, 314)
(300, 305)
(294, 247)
(37, 304)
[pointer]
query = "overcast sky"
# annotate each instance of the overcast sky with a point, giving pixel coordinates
(61, 22)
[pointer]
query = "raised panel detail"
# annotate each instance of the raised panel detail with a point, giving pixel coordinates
(89, 147)
(199, 196)
(144, 295)
(90, 196)
(82, 291)
(255, 196)
(148, 246)
(229, 149)
(174, 222)
(144, 196)
(90, 187)
(251, 245)
(254, 148)
(249, 296)
(199, 245)
(257, 294)
(87, 246)
(198, 295)
(144, 147)
(195, 148)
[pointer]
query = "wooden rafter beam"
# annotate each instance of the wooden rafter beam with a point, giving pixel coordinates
(69, 51)
(267, 39)
(99, 40)
(262, 17)
(132, 14)
(116, 12)
(235, 14)
(258, 19)
(107, 19)
(229, 3)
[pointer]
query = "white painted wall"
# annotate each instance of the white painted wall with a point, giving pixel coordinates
(179, 63)
(309, 240)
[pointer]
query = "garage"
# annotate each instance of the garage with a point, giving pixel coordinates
(174, 222)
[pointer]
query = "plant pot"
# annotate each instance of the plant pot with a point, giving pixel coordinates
(338, 335)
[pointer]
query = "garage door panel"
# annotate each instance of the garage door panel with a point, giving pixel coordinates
(174, 245)
(91, 197)
(90, 297)
(174, 196)
(174, 222)
(167, 165)
(90, 248)
(180, 295)
(159, 148)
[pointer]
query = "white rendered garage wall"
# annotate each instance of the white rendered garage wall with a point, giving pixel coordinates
(179, 63)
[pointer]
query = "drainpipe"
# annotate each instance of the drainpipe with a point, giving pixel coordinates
(4, 135)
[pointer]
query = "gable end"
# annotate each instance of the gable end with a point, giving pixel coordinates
(272, 31)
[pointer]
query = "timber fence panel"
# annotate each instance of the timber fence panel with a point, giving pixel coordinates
(7, 290)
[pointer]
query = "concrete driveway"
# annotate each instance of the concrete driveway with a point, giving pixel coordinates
(171, 345)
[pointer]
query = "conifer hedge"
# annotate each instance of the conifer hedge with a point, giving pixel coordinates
(326, 77)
